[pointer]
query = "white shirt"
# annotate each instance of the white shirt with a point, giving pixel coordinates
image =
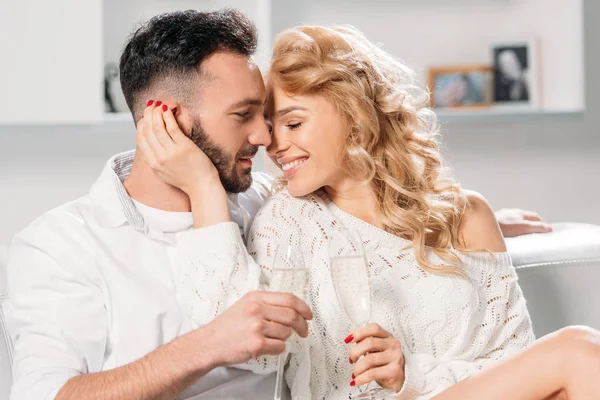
(450, 327)
(91, 288)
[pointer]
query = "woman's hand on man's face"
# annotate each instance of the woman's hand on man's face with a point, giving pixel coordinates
(171, 154)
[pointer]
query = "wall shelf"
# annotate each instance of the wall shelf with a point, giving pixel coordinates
(117, 117)
(500, 114)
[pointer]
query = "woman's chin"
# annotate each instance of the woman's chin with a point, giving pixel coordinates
(299, 189)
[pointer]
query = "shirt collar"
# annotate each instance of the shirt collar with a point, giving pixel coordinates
(110, 201)
(112, 206)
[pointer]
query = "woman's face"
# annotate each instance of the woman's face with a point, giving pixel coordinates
(307, 142)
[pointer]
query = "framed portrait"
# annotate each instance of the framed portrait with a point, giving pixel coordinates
(461, 86)
(516, 74)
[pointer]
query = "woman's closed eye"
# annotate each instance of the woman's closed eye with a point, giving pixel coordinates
(295, 126)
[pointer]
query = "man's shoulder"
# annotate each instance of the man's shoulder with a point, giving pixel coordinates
(68, 220)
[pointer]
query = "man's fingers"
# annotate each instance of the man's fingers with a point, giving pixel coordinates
(262, 346)
(537, 227)
(286, 316)
(288, 300)
(274, 330)
(531, 216)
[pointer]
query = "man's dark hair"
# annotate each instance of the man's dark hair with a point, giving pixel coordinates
(169, 49)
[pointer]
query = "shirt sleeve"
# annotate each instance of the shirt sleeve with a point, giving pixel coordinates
(505, 330)
(56, 315)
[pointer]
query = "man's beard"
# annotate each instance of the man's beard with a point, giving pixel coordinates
(226, 165)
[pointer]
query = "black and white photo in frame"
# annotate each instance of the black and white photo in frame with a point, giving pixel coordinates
(516, 75)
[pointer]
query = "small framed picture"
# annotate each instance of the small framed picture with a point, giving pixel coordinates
(516, 76)
(462, 86)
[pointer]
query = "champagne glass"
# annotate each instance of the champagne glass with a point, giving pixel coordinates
(350, 276)
(289, 274)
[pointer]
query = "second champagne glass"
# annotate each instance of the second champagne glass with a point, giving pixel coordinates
(352, 283)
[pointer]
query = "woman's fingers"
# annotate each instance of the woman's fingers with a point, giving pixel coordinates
(159, 130)
(366, 331)
(369, 345)
(391, 374)
(173, 126)
(371, 360)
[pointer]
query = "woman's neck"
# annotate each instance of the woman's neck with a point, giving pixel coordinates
(357, 199)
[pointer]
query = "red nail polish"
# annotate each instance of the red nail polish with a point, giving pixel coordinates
(353, 383)
(150, 102)
(349, 338)
(165, 107)
(353, 377)
(350, 360)
(158, 103)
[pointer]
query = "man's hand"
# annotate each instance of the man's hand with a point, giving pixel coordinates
(171, 154)
(377, 356)
(516, 222)
(257, 324)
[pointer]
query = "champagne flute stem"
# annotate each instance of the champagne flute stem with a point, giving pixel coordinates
(279, 381)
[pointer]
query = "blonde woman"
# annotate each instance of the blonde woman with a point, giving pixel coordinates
(356, 143)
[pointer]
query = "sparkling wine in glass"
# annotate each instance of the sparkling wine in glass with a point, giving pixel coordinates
(289, 274)
(350, 276)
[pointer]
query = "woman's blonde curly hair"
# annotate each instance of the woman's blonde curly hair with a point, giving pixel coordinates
(391, 140)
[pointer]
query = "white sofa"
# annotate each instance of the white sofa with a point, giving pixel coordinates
(559, 273)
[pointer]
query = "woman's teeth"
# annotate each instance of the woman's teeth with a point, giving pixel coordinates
(293, 164)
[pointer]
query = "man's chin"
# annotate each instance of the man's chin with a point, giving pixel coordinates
(240, 183)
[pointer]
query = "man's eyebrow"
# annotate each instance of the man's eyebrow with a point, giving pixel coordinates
(247, 102)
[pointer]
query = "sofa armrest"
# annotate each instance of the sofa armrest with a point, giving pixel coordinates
(559, 273)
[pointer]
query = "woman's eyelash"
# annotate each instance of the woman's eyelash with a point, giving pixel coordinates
(294, 126)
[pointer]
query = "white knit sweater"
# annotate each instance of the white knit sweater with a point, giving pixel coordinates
(449, 327)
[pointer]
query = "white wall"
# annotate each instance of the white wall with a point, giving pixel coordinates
(37, 41)
(552, 164)
(549, 165)
(122, 18)
(426, 33)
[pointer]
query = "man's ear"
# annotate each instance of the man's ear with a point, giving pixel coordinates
(183, 117)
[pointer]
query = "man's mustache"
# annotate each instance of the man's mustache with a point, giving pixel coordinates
(248, 151)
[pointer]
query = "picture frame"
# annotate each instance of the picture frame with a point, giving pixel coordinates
(467, 86)
(517, 78)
